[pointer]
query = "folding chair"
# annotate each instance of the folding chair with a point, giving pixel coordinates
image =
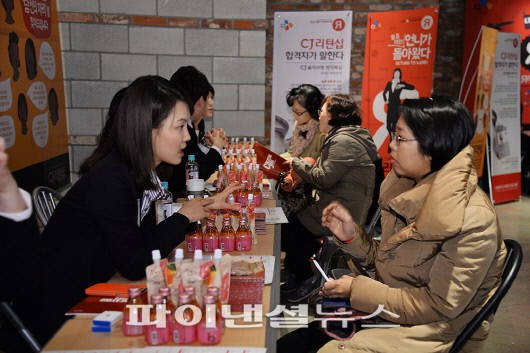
(45, 200)
(511, 268)
(7, 311)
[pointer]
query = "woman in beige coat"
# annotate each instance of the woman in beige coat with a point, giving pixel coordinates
(441, 252)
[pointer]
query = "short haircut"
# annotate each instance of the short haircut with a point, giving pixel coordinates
(442, 126)
(193, 82)
(308, 96)
(343, 110)
(146, 103)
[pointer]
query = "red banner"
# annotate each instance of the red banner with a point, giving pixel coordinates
(398, 64)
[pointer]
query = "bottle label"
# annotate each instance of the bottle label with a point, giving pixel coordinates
(194, 243)
(244, 244)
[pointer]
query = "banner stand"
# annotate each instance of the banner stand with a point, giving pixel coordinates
(488, 166)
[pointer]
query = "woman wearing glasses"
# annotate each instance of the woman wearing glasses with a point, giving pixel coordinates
(304, 101)
(345, 172)
(441, 251)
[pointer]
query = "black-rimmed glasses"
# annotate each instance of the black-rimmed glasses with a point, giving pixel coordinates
(398, 139)
(297, 113)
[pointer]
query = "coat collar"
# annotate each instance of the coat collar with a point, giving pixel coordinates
(434, 208)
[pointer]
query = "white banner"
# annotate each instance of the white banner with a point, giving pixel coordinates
(505, 124)
(309, 47)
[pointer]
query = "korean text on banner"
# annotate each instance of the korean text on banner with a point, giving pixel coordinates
(504, 129)
(399, 61)
(32, 104)
(311, 47)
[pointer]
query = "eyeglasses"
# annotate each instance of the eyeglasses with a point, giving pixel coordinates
(297, 113)
(398, 139)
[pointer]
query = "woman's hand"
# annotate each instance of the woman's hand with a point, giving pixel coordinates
(339, 288)
(196, 209)
(219, 200)
(337, 218)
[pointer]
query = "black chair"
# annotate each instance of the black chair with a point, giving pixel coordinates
(514, 257)
(45, 200)
(7, 312)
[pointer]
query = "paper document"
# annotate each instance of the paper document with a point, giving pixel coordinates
(273, 215)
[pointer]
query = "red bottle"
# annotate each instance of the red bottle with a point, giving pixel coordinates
(209, 329)
(243, 236)
(184, 333)
(210, 237)
(154, 334)
(194, 239)
(227, 237)
(135, 314)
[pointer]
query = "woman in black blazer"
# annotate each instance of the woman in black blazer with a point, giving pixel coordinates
(106, 222)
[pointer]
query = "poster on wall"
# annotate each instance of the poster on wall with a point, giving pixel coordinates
(505, 16)
(311, 47)
(481, 111)
(32, 108)
(398, 64)
(504, 126)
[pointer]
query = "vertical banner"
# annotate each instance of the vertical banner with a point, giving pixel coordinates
(507, 16)
(505, 127)
(482, 107)
(32, 109)
(311, 47)
(398, 64)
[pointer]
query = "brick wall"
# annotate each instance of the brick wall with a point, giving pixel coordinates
(108, 43)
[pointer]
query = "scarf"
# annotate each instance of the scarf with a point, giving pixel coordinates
(303, 135)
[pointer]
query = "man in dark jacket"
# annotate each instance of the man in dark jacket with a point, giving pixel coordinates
(196, 85)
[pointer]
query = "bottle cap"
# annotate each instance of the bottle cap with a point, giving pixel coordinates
(217, 254)
(156, 299)
(184, 298)
(208, 299)
(191, 157)
(213, 290)
(179, 254)
(164, 291)
(197, 255)
(165, 185)
(135, 292)
(155, 254)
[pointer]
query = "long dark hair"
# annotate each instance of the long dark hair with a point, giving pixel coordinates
(442, 126)
(144, 106)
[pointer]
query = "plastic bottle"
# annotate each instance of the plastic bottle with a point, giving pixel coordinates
(256, 192)
(213, 290)
(209, 329)
(163, 205)
(157, 335)
(194, 239)
(165, 292)
(184, 334)
(192, 168)
(243, 236)
(259, 174)
(157, 275)
(134, 313)
(227, 237)
(210, 237)
(251, 206)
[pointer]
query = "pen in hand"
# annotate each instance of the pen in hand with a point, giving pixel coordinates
(320, 269)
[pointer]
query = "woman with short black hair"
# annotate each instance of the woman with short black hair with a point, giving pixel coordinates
(441, 252)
